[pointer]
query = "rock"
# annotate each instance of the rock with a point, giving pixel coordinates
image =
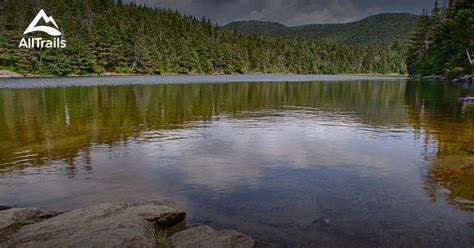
(433, 77)
(104, 225)
(4, 208)
(111, 225)
(9, 74)
(205, 236)
(465, 78)
(11, 220)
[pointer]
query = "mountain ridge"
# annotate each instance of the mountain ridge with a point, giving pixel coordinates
(380, 28)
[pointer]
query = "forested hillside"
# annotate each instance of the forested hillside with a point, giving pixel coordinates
(443, 43)
(388, 27)
(103, 36)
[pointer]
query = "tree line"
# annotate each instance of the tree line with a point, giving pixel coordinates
(110, 36)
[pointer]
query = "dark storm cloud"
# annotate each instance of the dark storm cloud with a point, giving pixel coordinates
(290, 12)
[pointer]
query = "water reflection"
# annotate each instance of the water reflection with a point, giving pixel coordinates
(448, 132)
(302, 164)
(40, 125)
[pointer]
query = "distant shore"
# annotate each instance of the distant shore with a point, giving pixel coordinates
(41, 82)
(12, 74)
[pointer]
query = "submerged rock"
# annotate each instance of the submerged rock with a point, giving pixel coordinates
(104, 225)
(205, 236)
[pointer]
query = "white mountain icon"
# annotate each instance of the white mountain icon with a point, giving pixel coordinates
(50, 30)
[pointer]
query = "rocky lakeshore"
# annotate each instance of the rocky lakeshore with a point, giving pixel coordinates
(134, 224)
(9, 74)
(460, 79)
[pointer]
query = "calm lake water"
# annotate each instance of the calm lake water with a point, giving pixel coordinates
(360, 163)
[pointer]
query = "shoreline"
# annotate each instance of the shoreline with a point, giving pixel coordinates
(118, 224)
(8, 74)
(48, 82)
(11, 74)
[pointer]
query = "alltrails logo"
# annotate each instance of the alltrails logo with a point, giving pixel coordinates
(41, 42)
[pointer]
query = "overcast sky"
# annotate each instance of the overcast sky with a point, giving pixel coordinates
(290, 12)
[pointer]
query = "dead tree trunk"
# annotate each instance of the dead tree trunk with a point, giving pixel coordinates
(469, 56)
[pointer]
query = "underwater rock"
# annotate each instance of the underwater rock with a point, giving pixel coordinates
(205, 236)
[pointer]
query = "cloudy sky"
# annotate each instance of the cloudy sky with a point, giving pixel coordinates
(290, 12)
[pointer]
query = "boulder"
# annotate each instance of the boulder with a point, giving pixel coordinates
(9, 74)
(11, 220)
(111, 225)
(105, 225)
(205, 236)
(4, 208)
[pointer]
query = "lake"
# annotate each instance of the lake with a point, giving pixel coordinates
(330, 161)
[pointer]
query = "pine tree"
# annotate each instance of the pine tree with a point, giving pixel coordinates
(418, 45)
(449, 42)
(115, 36)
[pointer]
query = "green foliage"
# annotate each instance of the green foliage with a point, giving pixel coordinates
(107, 37)
(162, 239)
(442, 40)
(383, 28)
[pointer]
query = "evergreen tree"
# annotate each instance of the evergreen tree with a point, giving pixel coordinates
(450, 42)
(107, 36)
(419, 42)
